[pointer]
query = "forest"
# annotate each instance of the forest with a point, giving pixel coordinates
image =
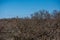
(42, 25)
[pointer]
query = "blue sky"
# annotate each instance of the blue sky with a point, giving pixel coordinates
(23, 8)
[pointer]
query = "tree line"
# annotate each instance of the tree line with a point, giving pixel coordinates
(42, 25)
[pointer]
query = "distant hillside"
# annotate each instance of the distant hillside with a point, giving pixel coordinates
(34, 28)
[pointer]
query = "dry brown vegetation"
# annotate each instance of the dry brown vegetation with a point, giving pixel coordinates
(41, 26)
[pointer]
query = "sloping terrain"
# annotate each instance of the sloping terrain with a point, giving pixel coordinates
(29, 29)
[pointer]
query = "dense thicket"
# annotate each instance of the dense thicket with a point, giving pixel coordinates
(41, 26)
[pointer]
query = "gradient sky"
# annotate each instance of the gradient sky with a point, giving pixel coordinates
(23, 8)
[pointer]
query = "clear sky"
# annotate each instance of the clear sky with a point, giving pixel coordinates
(23, 8)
